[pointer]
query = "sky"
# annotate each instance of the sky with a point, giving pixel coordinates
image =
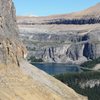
(51, 7)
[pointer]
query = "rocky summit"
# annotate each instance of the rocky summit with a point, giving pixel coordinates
(18, 79)
(68, 38)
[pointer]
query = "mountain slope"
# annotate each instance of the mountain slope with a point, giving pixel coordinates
(91, 12)
(28, 82)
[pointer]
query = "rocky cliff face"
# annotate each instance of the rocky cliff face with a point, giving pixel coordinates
(10, 48)
(62, 43)
(71, 38)
(18, 79)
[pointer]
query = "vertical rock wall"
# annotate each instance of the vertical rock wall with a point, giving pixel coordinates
(11, 48)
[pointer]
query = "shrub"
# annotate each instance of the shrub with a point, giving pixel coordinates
(34, 59)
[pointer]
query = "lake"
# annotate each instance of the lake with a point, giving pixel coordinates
(55, 68)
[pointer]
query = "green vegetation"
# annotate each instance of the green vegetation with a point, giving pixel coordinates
(73, 80)
(31, 49)
(34, 59)
(91, 64)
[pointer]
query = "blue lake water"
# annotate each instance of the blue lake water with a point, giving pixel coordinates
(55, 68)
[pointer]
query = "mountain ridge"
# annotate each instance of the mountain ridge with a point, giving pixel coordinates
(90, 13)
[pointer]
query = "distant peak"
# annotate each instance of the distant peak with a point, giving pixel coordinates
(98, 3)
